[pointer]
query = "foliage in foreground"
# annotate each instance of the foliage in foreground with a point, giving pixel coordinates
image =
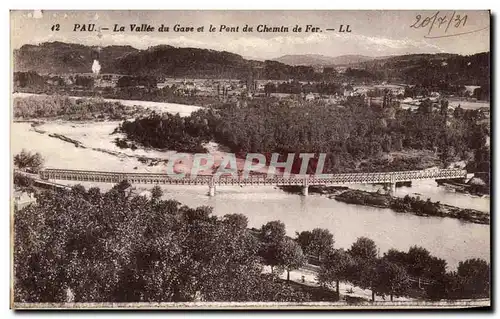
(88, 246)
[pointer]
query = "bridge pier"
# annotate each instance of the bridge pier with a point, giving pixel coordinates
(211, 190)
(391, 188)
(305, 190)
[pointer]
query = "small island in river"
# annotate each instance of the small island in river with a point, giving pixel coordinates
(407, 204)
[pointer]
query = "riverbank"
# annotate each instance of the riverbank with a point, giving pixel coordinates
(155, 96)
(407, 204)
(110, 108)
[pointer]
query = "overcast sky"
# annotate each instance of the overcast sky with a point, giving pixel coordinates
(374, 33)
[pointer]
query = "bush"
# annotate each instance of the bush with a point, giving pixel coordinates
(28, 161)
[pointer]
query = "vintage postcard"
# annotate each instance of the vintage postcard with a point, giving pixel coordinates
(250, 159)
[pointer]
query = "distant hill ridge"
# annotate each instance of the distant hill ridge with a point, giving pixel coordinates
(169, 61)
(323, 60)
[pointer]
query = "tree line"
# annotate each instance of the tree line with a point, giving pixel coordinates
(143, 88)
(396, 273)
(295, 87)
(51, 106)
(393, 273)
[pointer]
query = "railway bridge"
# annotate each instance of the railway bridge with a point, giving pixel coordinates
(212, 181)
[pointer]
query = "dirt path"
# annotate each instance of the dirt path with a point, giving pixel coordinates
(309, 274)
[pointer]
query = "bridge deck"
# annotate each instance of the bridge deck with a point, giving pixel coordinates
(304, 180)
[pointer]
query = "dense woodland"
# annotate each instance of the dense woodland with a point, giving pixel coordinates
(355, 137)
(169, 131)
(87, 246)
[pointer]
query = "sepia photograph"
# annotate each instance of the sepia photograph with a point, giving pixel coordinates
(250, 159)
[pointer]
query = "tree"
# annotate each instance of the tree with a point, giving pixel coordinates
(122, 185)
(237, 222)
(318, 242)
(156, 192)
(452, 288)
(459, 112)
(271, 236)
(418, 259)
(94, 194)
(120, 188)
(304, 240)
(364, 253)
(78, 189)
(22, 181)
(290, 256)
(269, 88)
(391, 279)
(365, 274)
(444, 107)
(273, 232)
(364, 248)
(337, 266)
(29, 161)
(474, 276)
(395, 256)
(436, 269)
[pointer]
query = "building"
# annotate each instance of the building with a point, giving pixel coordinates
(309, 97)
(23, 199)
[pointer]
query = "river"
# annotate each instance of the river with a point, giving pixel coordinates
(447, 238)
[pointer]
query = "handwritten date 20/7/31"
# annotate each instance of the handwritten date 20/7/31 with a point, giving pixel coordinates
(440, 23)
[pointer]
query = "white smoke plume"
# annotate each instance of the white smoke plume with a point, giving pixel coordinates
(96, 67)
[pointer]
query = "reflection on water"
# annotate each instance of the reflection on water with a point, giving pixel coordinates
(447, 238)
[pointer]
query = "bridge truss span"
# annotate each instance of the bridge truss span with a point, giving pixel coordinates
(215, 180)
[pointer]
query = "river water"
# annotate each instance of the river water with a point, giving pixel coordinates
(447, 238)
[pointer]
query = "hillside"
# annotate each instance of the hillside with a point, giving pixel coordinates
(158, 61)
(322, 60)
(190, 62)
(59, 57)
(432, 69)
(169, 61)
